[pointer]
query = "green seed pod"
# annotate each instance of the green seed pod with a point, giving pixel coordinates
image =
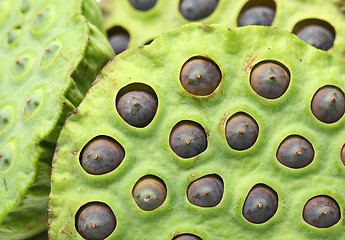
(51, 51)
(317, 22)
(201, 185)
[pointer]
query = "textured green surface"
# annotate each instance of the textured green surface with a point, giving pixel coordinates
(45, 46)
(148, 152)
(143, 26)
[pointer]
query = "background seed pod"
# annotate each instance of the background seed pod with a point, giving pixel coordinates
(148, 151)
(50, 53)
(302, 17)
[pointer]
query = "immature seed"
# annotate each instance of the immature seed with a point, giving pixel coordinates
(317, 36)
(197, 9)
(149, 192)
(241, 131)
(188, 139)
(261, 204)
(321, 212)
(328, 104)
(257, 15)
(101, 155)
(186, 237)
(137, 108)
(269, 80)
(118, 39)
(95, 221)
(200, 76)
(143, 5)
(206, 191)
(295, 152)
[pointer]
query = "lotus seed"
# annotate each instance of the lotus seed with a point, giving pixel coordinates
(342, 155)
(321, 212)
(143, 5)
(118, 39)
(186, 237)
(200, 76)
(197, 9)
(188, 139)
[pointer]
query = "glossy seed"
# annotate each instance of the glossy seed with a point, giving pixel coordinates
(143, 5)
(328, 104)
(186, 237)
(241, 131)
(269, 80)
(95, 221)
(342, 154)
(101, 155)
(317, 36)
(206, 191)
(257, 15)
(197, 9)
(295, 152)
(118, 39)
(188, 139)
(261, 204)
(149, 193)
(321, 212)
(200, 76)
(137, 108)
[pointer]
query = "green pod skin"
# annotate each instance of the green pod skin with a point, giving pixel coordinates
(149, 151)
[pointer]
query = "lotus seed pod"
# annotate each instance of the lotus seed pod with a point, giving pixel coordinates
(51, 52)
(179, 174)
(316, 22)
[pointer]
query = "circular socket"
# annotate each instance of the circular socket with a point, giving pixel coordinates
(206, 191)
(200, 76)
(260, 205)
(295, 152)
(342, 154)
(101, 155)
(143, 5)
(315, 32)
(95, 221)
(328, 104)
(188, 139)
(118, 38)
(137, 105)
(269, 79)
(149, 192)
(321, 212)
(197, 9)
(186, 237)
(257, 12)
(241, 131)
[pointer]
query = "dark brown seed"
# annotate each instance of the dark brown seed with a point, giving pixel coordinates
(321, 212)
(206, 191)
(258, 15)
(328, 104)
(241, 131)
(269, 80)
(95, 221)
(295, 152)
(317, 36)
(197, 9)
(137, 108)
(149, 192)
(118, 39)
(200, 76)
(188, 139)
(261, 204)
(342, 154)
(101, 155)
(143, 5)
(186, 237)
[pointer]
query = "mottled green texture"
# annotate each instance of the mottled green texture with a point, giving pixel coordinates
(148, 151)
(143, 26)
(46, 46)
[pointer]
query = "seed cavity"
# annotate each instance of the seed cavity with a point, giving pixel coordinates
(43, 19)
(32, 103)
(315, 32)
(200, 76)
(260, 205)
(197, 9)
(328, 104)
(342, 153)
(321, 212)
(295, 152)
(186, 236)
(26, 5)
(5, 117)
(241, 131)
(101, 155)
(14, 34)
(7, 156)
(188, 139)
(143, 5)
(256, 12)
(21, 66)
(206, 191)
(270, 79)
(149, 192)
(118, 38)
(95, 220)
(50, 52)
